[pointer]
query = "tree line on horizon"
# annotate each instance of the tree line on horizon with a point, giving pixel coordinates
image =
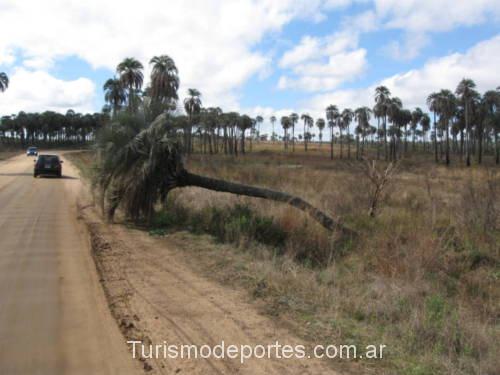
(463, 123)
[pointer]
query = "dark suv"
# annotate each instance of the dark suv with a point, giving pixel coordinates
(48, 165)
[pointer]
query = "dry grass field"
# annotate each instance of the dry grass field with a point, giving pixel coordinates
(422, 276)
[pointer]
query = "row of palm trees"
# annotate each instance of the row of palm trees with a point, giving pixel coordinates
(216, 131)
(469, 119)
(464, 123)
(50, 128)
(125, 89)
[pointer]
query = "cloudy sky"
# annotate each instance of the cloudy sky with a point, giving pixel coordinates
(255, 56)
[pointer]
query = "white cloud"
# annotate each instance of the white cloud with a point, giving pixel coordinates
(435, 15)
(409, 48)
(319, 64)
(39, 91)
(212, 41)
(479, 63)
(418, 18)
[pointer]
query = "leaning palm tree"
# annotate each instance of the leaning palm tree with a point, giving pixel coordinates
(130, 73)
(114, 94)
(4, 81)
(139, 166)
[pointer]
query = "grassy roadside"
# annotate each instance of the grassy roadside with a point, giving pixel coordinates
(423, 280)
(8, 154)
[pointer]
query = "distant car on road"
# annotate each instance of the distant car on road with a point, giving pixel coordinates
(32, 151)
(48, 165)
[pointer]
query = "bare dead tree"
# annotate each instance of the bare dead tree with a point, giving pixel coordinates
(379, 179)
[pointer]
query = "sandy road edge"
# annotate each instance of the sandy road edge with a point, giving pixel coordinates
(114, 283)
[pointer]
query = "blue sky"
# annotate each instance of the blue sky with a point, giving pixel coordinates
(256, 56)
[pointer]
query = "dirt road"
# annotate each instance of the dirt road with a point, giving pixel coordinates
(53, 314)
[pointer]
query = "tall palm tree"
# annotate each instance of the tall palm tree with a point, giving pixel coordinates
(259, 120)
(395, 116)
(308, 122)
(244, 123)
(4, 81)
(491, 101)
(425, 124)
(131, 76)
(382, 97)
(286, 123)
(347, 117)
(114, 94)
(294, 118)
(465, 91)
(273, 121)
(164, 82)
(433, 104)
(362, 116)
(320, 124)
(378, 112)
(192, 105)
(332, 114)
(447, 104)
(416, 117)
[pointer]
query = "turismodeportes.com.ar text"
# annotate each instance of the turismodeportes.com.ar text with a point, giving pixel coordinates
(243, 352)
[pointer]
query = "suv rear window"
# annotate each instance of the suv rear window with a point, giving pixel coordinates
(50, 159)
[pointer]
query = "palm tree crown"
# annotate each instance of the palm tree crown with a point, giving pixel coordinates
(164, 78)
(131, 77)
(114, 94)
(4, 81)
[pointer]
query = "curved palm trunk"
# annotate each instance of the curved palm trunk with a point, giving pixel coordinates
(190, 179)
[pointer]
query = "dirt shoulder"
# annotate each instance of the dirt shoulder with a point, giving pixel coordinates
(157, 296)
